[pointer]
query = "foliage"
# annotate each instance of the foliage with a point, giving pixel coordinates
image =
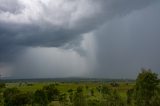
(146, 88)
(2, 85)
(93, 102)
(52, 92)
(114, 99)
(114, 84)
(105, 90)
(130, 96)
(79, 98)
(40, 98)
(92, 92)
(8, 95)
(63, 99)
(13, 97)
(21, 99)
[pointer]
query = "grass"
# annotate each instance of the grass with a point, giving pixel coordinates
(64, 87)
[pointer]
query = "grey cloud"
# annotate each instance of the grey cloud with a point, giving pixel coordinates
(55, 23)
(125, 45)
(11, 6)
(49, 62)
(64, 23)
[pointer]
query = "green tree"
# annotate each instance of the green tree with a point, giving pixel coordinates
(114, 99)
(79, 98)
(71, 95)
(52, 92)
(21, 99)
(2, 85)
(9, 95)
(92, 92)
(63, 99)
(40, 98)
(146, 89)
(93, 102)
(105, 90)
(130, 96)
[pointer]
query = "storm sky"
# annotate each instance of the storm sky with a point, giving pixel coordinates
(79, 38)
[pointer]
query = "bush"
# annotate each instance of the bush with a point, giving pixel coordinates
(13, 97)
(2, 85)
(52, 92)
(21, 99)
(79, 98)
(8, 95)
(146, 88)
(114, 99)
(40, 98)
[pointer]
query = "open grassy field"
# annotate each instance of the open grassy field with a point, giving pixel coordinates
(81, 92)
(63, 87)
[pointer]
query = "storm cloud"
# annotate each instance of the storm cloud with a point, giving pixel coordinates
(60, 25)
(127, 44)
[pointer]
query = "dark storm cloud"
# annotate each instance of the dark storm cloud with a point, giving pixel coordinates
(120, 26)
(127, 44)
(45, 23)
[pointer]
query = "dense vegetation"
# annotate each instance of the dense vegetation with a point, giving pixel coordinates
(145, 91)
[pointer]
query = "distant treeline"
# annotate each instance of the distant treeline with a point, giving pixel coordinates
(65, 80)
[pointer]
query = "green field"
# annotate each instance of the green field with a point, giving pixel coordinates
(63, 87)
(144, 91)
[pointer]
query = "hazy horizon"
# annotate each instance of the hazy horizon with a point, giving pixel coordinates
(79, 38)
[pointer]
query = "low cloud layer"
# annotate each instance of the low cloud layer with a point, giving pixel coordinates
(60, 24)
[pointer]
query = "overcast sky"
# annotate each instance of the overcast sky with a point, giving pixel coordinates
(79, 38)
